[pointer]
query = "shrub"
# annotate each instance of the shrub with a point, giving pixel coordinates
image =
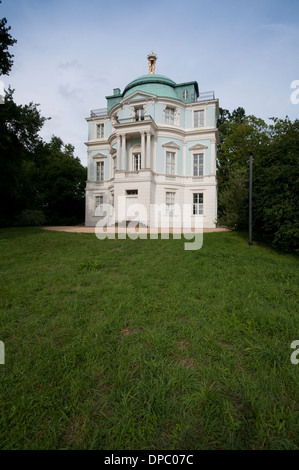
(30, 217)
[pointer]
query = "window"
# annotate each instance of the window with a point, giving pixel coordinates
(170, 203)
(199, 118)
(100, 171)
(198, 164)
(170, 163)
(100, 131)
(169, 115)
(197, 203)
(185, 94)
(139, 114)
(99, 205)
(137, 161)
(132, 192)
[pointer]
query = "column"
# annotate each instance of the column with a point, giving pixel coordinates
(142, 150)
(109, 166)
(114, 162)
(118, 153)
(184, 158)
(148, 150)
(123, 152)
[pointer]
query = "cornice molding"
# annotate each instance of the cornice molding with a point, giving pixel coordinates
(198, 147)
(171, 144)
(99, 155)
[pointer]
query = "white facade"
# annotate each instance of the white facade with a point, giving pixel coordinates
(155, 144)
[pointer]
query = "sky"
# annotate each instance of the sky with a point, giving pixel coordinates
(71, 54)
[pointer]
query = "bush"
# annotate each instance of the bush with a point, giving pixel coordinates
(233, 199)
(30, 217)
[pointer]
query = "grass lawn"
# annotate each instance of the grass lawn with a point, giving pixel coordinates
(138, 344)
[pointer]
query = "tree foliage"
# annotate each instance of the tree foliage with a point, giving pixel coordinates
(6, 40)
(60, 180)
(276, 182)
(275, 148)
(39, 182)
(19, 139)
(36, 176)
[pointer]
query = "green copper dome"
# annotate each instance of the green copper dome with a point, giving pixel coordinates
(155, 84)
(158, 85)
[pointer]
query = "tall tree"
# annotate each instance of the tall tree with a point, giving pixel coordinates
(6, 40)
(239, 135)
(19, 139)
(276, 182)
(36, 179)
(275, 177)
(59, 182)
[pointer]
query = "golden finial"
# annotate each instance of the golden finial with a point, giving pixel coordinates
(152, 58)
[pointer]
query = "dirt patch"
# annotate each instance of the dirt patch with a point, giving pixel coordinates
(224, 343)
(75, 430)
(131, 331)
(188, 363)
(183, 344)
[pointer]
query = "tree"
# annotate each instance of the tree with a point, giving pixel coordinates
(233, 200)
(59, 182)
(19, 140)
(239, 136)
(39, 182)
(275, 176)
(6, 40)
(276, 181)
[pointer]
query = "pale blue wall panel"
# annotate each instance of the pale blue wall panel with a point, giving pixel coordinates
(211, 116)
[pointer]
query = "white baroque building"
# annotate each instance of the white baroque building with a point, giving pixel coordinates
(155, 143)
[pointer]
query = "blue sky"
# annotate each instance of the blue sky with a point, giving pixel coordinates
(71, 54)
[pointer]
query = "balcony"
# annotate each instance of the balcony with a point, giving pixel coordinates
(135, 119)
(98, 112)
(204, 96)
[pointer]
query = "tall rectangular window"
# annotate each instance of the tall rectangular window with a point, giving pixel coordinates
(137, 161)
(170, 203)
(139, 114)
(199, 118)
(197, 203)
(99, 205)
(169, 115)
(100, 171)
(198, 164)
(170, 163)
(100, 131)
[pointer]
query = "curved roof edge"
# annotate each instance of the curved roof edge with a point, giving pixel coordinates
(150, 78)
(157, 81)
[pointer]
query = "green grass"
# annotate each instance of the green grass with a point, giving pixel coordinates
(138, 344)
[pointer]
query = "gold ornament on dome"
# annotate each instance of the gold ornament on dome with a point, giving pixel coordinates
(152, 58)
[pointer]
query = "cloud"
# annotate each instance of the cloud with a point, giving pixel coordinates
(71, 64)
(70, 94)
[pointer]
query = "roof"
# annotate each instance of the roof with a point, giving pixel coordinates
(151, 83)
(150, 79)
(158, 85)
